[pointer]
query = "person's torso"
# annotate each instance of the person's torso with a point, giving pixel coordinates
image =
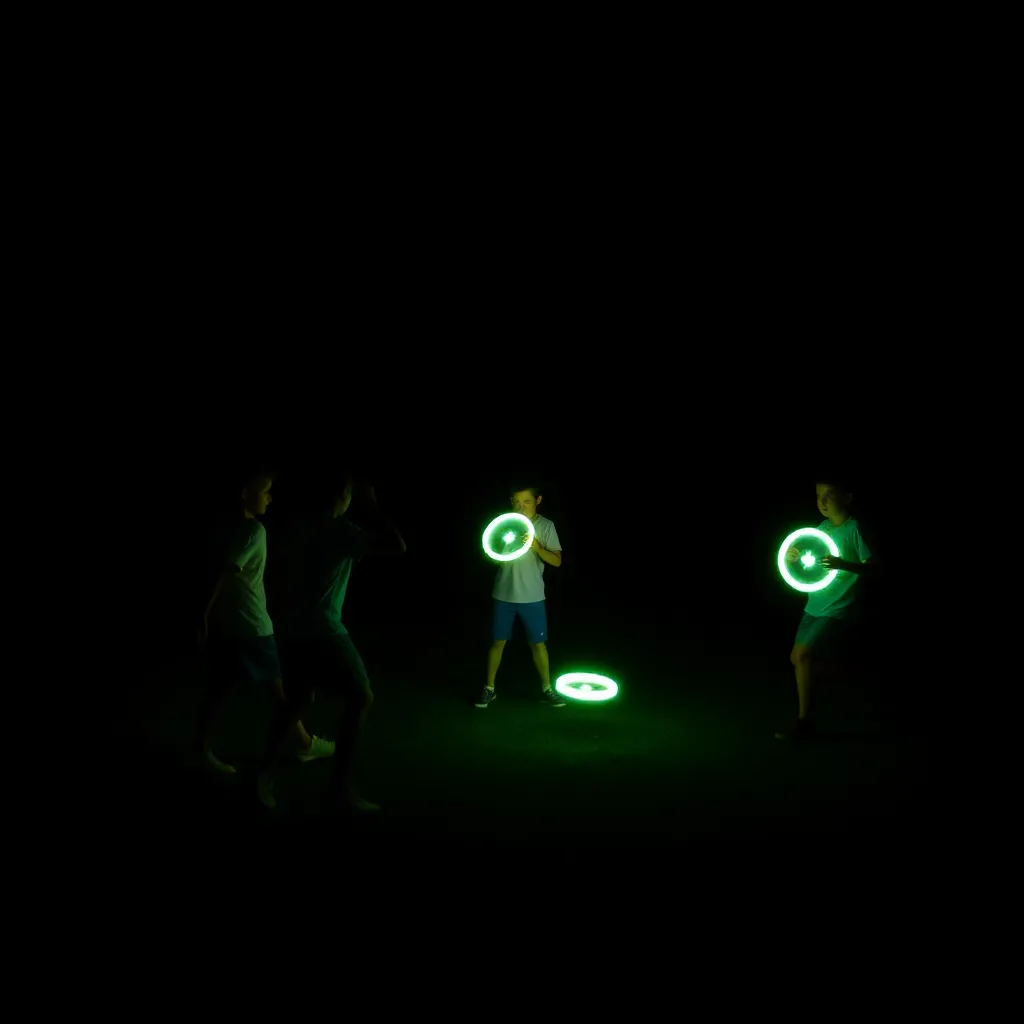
(314, 581)
(241, 607)
(835, 600)
(522, 581)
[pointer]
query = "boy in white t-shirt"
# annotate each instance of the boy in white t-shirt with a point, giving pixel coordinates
(235, 628)
(519, 593)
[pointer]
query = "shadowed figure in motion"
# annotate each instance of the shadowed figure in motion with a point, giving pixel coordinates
(316, 649)
(235, 629)
(824, 632)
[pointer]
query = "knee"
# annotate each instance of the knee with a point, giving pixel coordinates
(800, 655)
(539, 648)
(497, 645)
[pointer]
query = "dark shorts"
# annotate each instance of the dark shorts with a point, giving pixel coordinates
(243, 659)
(826, 636)
(328, 662)
(533, 614)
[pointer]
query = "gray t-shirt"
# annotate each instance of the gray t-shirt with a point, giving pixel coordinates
(522, 581)
(241, 607)
(317, 565)
(835, 600)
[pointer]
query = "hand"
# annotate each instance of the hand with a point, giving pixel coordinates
(366, 493)
(535, 546)
(792, 555)
(832, 562)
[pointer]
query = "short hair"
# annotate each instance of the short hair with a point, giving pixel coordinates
(534, 490)
(253, 471)
(836, 480)
(330, 486)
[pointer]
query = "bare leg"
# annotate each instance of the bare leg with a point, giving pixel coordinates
(801, 659)
(353, 721)
(298, 730)
(493, 661)
(216, 692)
(540, 659)
(282, 727)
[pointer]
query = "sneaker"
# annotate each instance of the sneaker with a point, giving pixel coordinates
(487, 696)
(552, 698)
(318, 748)
(355, 804)
(801, 729)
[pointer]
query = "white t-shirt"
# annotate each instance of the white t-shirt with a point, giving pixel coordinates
(241, 607)
(522, 581)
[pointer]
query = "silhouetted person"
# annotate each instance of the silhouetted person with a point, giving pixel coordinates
(235, 628)
(823, 630)
(519, 592)
(316, 648)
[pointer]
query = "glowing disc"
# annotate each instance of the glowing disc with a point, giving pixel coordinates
(586, 686)
(508, 537)
(805, 572)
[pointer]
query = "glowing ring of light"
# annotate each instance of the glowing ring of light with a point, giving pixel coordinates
(515, 520)
(586, 686)
(807, 531)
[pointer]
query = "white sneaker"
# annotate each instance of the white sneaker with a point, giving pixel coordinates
(319, 748)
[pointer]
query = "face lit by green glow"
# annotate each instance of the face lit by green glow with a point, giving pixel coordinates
(525, 502)
(587, 686)
(256, 497)
(833, 502)
(806, 573)
(508, 537)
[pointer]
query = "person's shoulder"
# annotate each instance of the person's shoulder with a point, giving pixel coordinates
(241, 529)
(866, 531)
(544, 523)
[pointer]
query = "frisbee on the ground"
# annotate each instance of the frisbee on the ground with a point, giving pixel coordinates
(805, 572)
(586, 686)
(508, 537)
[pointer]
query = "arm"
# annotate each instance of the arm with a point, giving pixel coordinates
(384, 537)
(549, 557)
(218, 586)
(863, 563)
(869, 568)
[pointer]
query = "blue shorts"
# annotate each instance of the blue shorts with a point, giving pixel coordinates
(826, 636)
(250, 659)
(331, 662)
(534, 616)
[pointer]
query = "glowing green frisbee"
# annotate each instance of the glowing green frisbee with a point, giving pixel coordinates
(586, 686)
(805, 572)
(508, 537)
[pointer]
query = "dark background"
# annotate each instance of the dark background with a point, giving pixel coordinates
(670, 498)
(670, 501)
